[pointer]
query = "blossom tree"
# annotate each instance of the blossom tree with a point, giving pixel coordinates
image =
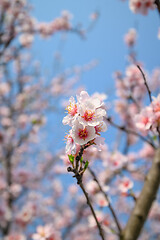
(23, 113)
(115, 189)
(88, 119)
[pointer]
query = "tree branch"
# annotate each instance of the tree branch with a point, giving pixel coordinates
(145, 83)
(144, 201)
(157, 2)
(106, 197)
(129, 131)
(101, 233)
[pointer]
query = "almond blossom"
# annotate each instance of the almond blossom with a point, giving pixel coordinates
(141, 6)
(15, 236)
(130, 37)
(149, 117)
(70, 145)
(143, 120)
(26, 39)
(82, 135)
(91, 113)
(45, 233)
(86, 117)
(72, 112)
(101, 200)
(125, 184)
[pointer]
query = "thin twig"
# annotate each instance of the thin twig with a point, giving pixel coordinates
(157, 2)
(101, 232)
(145, 82)
(106, 197)
(129, 131)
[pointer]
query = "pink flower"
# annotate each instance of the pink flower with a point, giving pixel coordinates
(91, 220)
(26, 39)
(25, 216)
(117, 160)
(147, 152)
(15, 236)
(130, 37)
(133, 76)
(70, 145)
(23, 120)
(81, 134)
(143, 120)
(141, 6)
(156, 104)
(4, 88)
(43, 233)
(90, 111)
(102, 127)
(101, 200)
(46, 232)
(4, 111)
(92, 187)
(125, 185)
(72, 112)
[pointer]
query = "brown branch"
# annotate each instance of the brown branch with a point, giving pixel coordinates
(129, 131)
(106, 197)
(157, 2)
(145, 82)
(78, 174)
(101, 233)
(8, 169)
(144, 201)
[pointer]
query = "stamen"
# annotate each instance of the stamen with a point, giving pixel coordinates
(83, 133)
(88, 116)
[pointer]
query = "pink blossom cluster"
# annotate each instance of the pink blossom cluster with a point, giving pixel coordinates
(131, 37)
(149, 117)
(141, 6)
(60, 23)
(15, 236)
(132, 84)
(86, 117)
(125, 184)
(18, 23)
(46, 232)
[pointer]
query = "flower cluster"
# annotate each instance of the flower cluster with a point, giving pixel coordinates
(46, 232)
(60, 23)
(86, 117)
(131, 85)
(149, 117)
(141, 6)
(131, 37)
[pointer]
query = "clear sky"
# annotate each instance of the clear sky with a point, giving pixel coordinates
(104, 43)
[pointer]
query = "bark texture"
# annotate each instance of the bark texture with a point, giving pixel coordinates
(144, 201)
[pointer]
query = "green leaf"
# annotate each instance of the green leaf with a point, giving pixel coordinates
(81, 160)
(154, 138)
(36, 121)
(86, 165)
(71, 158)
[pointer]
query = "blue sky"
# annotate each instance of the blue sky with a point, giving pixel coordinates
(104, 43)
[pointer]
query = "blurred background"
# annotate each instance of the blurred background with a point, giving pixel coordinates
(49, 51)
